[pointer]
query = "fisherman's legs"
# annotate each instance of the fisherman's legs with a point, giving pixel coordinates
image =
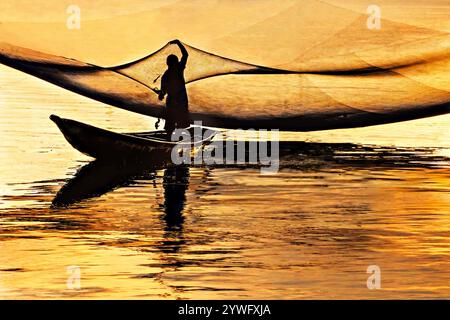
(177, 117)
(183, 118)
(170, 121)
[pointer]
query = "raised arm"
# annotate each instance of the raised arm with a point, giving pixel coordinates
(183, 50)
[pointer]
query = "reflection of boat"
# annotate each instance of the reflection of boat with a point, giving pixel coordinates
(103, 144)
(99, 177)
(102, 176)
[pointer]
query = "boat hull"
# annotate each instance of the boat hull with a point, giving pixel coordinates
(107, 145)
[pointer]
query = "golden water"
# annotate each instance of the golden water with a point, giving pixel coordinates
(309, 231)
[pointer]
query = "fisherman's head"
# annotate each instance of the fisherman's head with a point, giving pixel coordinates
(172, 61)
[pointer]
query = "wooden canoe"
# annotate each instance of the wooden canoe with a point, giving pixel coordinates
(107, 145)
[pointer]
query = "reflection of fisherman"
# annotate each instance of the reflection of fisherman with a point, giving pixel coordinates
(173, 84)
(175, 183)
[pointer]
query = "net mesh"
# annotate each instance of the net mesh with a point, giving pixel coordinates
(353, 77)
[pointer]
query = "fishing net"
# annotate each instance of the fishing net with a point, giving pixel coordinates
(351, 77)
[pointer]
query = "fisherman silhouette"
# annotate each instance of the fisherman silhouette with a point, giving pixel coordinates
(173, 84)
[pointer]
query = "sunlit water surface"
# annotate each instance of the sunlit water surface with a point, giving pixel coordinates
(309, 231)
